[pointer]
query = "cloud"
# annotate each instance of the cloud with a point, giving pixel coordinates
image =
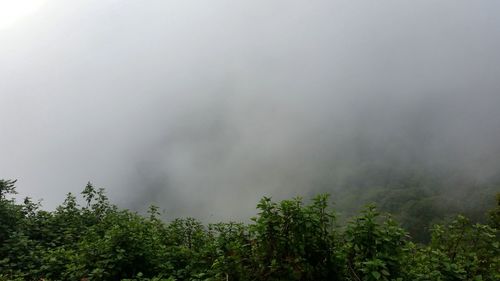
(206, 107)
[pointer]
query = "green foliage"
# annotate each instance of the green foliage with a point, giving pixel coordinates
(294, 242)
(9, 212)
(373, 250)
(459, 250)
(232, 247)
(494, 214)
(287, 240)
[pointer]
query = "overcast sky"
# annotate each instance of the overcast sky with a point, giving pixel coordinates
(209, 105)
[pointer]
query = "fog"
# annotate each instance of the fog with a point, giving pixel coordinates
(203, 107)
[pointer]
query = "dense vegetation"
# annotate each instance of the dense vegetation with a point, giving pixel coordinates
(415, 196)
(289, 240)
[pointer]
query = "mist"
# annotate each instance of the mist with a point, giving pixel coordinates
(204, 107)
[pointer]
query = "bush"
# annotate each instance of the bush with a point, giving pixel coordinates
(287, 240)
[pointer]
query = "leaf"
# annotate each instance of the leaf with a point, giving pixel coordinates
(376, 275)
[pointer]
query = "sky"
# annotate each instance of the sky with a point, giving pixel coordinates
(203, 107)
